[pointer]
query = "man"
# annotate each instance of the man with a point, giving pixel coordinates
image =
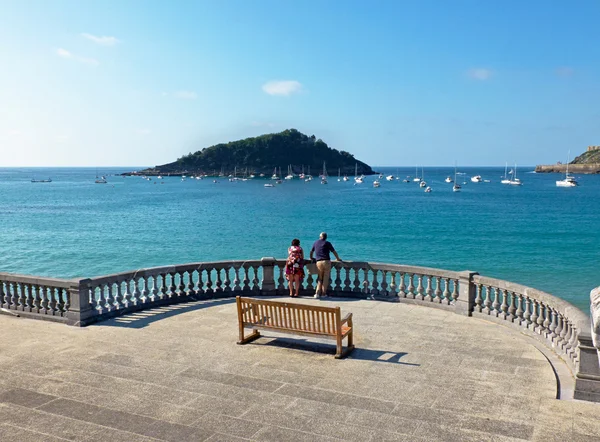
(321, 249)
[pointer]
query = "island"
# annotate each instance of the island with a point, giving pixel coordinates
(263, 155)
(586, 163)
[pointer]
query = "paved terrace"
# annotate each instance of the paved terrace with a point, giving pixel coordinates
(175, 373)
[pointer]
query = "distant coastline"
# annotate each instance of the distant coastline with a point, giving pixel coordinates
(586, 163)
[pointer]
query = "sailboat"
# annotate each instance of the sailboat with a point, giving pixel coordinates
(456, 187)
(275, 176)
(100, 180)
(302, 173)
(422, 183)
(324, 175)
(357, 179)
(514, 181)
(416, 179)
(278, 181)
(376, 183)
(290, 175)
(339, 174)
(505, 180)
(569, 181)
(309, 176)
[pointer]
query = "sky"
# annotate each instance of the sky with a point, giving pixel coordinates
(396, 83)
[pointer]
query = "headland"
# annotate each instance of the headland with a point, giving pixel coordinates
(586, 163)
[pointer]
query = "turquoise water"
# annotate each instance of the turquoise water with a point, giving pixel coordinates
(538, 235)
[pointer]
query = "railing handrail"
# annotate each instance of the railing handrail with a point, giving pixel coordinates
(37, 280)
(173, 268)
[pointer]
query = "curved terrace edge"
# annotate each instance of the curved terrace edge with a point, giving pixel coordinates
(556, 323)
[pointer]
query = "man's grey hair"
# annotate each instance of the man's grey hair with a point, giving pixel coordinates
(323, 235)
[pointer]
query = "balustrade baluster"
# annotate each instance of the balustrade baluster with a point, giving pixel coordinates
(488, 300)
(127, 298)
(347, 287)
(28, 297)
(438, 289)
(428, 290)
(15, 296)
(162, 293)
(50, 301)
(563, 331)
(281, 278)
(402, 287)
(36, 298)
(172, 288)
(338, 280)
(365, 283)
(153, 289)
(572, 344)
(567, 335)
(420, 289)
(356, 281)
(181, 286)
(227, 280)
(527, 312)
(447, 291)
(454, 290)
(553, 323)
(63, 303)
(519, 311)
(504, 306)
(541, 320)
(136, 291)
(512, 309)
(559, 327)
(310, 282)
(478, 298)
(236, 279)
(255, 281)
(534, 314)
(374, 290)
(110, 300)
(411, 287)
(496, 303)
(246, 280)
(3, 301)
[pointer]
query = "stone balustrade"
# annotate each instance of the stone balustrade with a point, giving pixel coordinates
(554, 322)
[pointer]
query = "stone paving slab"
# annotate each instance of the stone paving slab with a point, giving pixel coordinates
(176, 374)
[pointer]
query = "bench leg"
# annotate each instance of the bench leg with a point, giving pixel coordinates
(252, 337)
(340, 353)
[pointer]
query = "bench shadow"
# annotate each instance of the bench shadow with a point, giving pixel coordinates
(145, 317)
(361, 354)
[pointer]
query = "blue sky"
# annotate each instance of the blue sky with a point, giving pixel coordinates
(397, 82)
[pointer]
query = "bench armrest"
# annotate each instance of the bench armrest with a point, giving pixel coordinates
(347, 318)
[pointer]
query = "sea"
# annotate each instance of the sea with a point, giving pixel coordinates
(536, 234)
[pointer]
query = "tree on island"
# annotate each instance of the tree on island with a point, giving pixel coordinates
(263, 154)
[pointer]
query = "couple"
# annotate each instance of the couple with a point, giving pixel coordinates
(294, 270)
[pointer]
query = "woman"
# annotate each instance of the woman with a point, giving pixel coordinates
(294, 271)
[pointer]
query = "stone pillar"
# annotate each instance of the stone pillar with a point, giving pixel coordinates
(81, 312)
(466, 295)
(587, 377)
(268, 281)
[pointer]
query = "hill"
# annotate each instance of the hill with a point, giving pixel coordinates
(263, 154)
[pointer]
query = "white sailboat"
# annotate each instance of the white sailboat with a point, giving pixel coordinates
(476, 179)
(339, 174)
(514, 181)
(416, 179)
(357, 179)
(324, 175)
(390, 178)
(456, 187)
(290, 175)
(376, 183)
(505, 180)
(275, 176)
(569, 181)
(449, 179)
(422, 183)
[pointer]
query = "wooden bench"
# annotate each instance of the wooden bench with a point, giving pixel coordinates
(299, 319)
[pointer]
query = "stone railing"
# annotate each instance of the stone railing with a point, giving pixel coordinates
(42, 298)
(556, 323)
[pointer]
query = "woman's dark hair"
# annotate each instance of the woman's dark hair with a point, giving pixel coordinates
(295, 242)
